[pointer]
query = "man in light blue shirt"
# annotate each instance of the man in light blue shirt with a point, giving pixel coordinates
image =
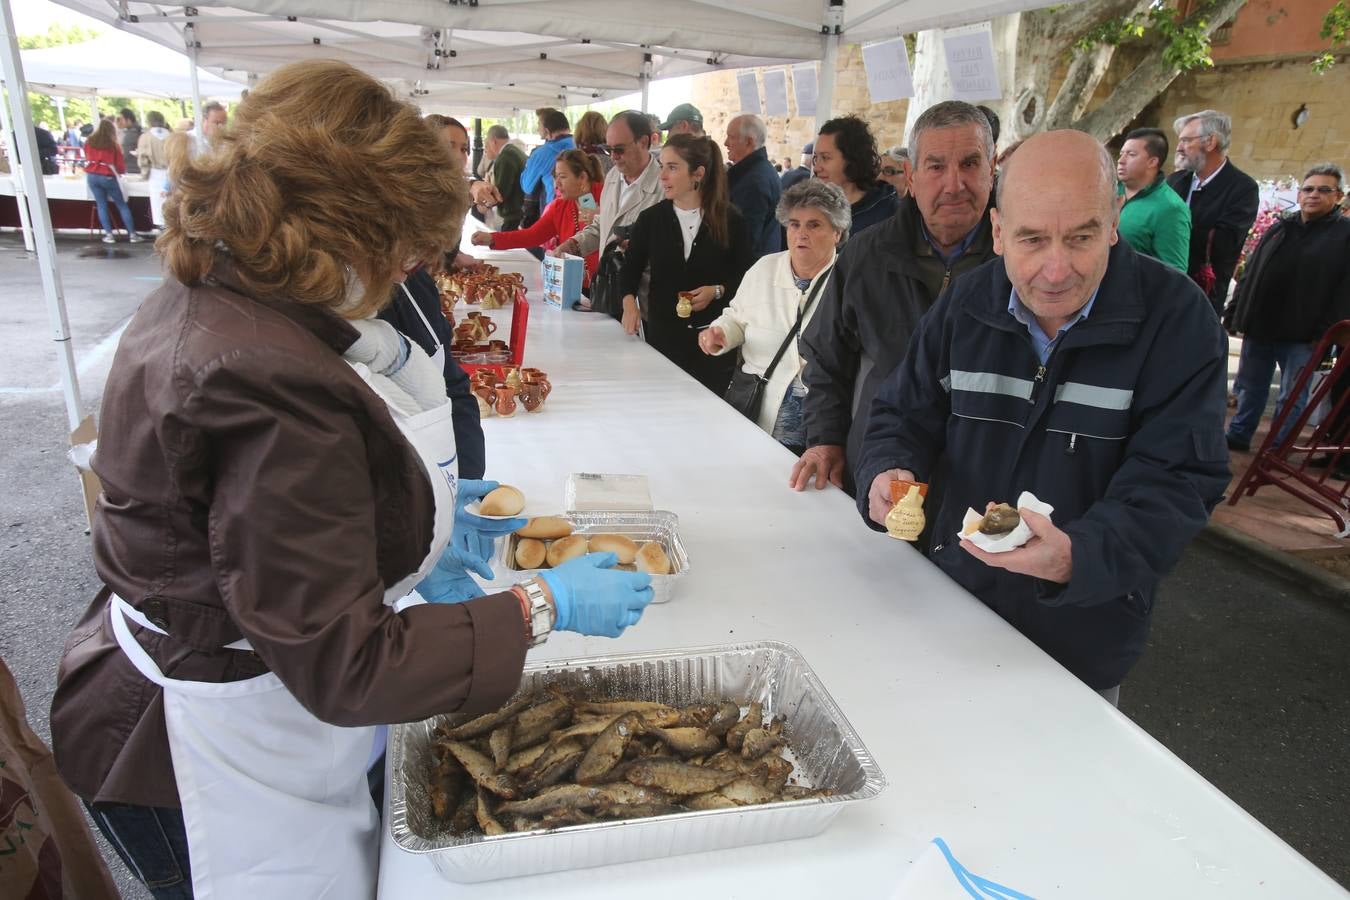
(1043, 342)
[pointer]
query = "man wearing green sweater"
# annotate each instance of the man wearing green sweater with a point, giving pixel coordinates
(1154, 219)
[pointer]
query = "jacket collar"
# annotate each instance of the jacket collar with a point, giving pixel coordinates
(1117, 312)
(1158, 182)
(907, 231)
(747, 162)
(324, 324)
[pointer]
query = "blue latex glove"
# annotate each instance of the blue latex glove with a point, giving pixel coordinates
(593, 598)
(449, 581)
(475, 537)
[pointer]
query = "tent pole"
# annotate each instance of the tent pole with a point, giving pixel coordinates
(830, 32)
(196, 88)
(46, 242)
(646, 78)
(20, 197)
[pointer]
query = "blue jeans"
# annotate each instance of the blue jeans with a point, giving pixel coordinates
(152, 841)
(1256, 366)
(105, 188)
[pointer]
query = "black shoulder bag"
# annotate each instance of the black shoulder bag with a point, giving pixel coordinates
(746, 391)
(606, 285)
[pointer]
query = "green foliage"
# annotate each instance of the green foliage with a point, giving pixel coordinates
(1185, 42)
(56, 36)
(1336, 28)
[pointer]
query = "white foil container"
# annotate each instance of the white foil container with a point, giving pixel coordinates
(651, 525)
(827, 751)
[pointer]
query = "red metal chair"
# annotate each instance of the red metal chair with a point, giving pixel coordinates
(1285, 464)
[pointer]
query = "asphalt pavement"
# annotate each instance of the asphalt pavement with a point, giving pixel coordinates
(1245, 678)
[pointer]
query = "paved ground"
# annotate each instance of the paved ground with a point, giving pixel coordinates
(1245, 679)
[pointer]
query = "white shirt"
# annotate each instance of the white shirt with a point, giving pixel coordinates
(690, 220)
(1197, 184)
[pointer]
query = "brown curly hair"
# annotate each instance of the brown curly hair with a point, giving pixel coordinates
(322, 171)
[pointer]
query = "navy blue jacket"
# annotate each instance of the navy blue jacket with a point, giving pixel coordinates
(464, 406)
(755, 189)
(877, 205)
(1121, 431)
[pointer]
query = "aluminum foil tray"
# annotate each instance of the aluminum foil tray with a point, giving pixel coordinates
(651, 525)
(827, 751)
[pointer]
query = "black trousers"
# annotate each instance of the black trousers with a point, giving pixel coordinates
(677, 342)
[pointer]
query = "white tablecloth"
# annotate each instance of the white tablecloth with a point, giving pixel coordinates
(1032, 779)
(59, 187)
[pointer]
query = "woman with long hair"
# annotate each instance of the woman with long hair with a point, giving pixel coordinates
(279, 498)
(698, 248)
(846, 155)
(577, 176)
(590, 137)
(103, 162)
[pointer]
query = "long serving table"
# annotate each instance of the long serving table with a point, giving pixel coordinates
(71, 204)
(1030, 777)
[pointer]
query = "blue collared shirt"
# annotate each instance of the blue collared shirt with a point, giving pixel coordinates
(1044, 345)
(949, 258)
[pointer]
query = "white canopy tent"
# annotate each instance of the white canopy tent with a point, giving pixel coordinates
(119, 65)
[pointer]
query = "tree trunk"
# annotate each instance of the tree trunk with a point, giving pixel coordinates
(931, 82)
(1146, 82)
(1080, 82)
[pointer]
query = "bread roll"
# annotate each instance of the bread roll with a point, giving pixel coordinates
(546, 528)
(624, 548)
(563, 549)
(652, 559)
(504, 501)
(530, 553)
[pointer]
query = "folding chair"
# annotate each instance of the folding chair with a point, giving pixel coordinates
(1285, 463)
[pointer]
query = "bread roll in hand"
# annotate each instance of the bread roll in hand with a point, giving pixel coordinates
(504, 501)
(546, 528)
(624, 548)
(563, 549)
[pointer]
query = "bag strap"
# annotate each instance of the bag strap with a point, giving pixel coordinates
(791, 335)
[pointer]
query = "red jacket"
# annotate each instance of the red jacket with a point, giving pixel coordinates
(104, 162)
(561, 219)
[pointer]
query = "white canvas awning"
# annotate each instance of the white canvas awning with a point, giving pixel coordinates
(118, 65)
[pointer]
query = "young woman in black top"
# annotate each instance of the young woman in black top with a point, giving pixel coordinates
(698, 248)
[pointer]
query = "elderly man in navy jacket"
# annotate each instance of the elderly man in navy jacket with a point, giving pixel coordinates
(755, 186)
(1083, 372)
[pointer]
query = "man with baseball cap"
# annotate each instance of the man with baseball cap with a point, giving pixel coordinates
(684, 119)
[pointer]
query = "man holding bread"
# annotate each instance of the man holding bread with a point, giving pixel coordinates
(1078, 370)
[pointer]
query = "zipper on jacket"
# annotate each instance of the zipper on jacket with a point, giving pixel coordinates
(946, 280)
(1072, 447)
(1036, 384)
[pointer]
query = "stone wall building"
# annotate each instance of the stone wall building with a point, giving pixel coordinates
(1262, 77)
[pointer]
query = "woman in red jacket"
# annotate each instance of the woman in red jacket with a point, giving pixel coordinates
(103, 162)
(579, 179)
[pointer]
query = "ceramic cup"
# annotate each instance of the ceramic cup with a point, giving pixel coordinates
(506, 401)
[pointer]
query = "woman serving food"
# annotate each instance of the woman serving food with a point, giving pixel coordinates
(279, 482)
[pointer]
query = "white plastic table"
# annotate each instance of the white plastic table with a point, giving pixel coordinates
(1032, 779)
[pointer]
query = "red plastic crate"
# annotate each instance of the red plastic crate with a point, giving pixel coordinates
(520, 317)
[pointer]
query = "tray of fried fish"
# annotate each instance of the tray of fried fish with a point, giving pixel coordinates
(612, 759)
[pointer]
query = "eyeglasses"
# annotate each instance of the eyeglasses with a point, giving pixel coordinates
(1187, 140)
(615, 149)
(890, 172)
(1317, 189)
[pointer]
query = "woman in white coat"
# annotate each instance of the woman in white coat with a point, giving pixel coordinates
(777, 299)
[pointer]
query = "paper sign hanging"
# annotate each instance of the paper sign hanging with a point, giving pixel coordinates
(775, 92)
(970, 62)
(804, 88)
(888, 74)
(748, 87)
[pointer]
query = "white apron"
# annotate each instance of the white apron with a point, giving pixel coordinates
(159, 186)
(275, 802)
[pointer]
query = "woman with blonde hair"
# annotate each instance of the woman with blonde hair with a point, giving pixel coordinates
(279, 492)
(590, 137)
(697, 247)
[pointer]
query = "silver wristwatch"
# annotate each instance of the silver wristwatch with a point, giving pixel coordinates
(542, 613)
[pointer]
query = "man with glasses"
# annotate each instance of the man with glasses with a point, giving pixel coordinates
(630, 187)
(1223, 200)
(1294, 287)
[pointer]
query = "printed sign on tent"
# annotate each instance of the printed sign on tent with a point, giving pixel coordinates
(804, 88)
(888, 74)
(775, 92)
(748, 87)
(970, 62)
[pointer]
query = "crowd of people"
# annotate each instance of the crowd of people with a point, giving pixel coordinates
(980, 323)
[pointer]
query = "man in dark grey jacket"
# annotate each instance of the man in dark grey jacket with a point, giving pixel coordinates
(886, 279)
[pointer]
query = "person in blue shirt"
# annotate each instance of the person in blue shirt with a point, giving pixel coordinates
(536, 180)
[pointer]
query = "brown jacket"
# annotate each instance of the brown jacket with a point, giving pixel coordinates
(254, 486)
